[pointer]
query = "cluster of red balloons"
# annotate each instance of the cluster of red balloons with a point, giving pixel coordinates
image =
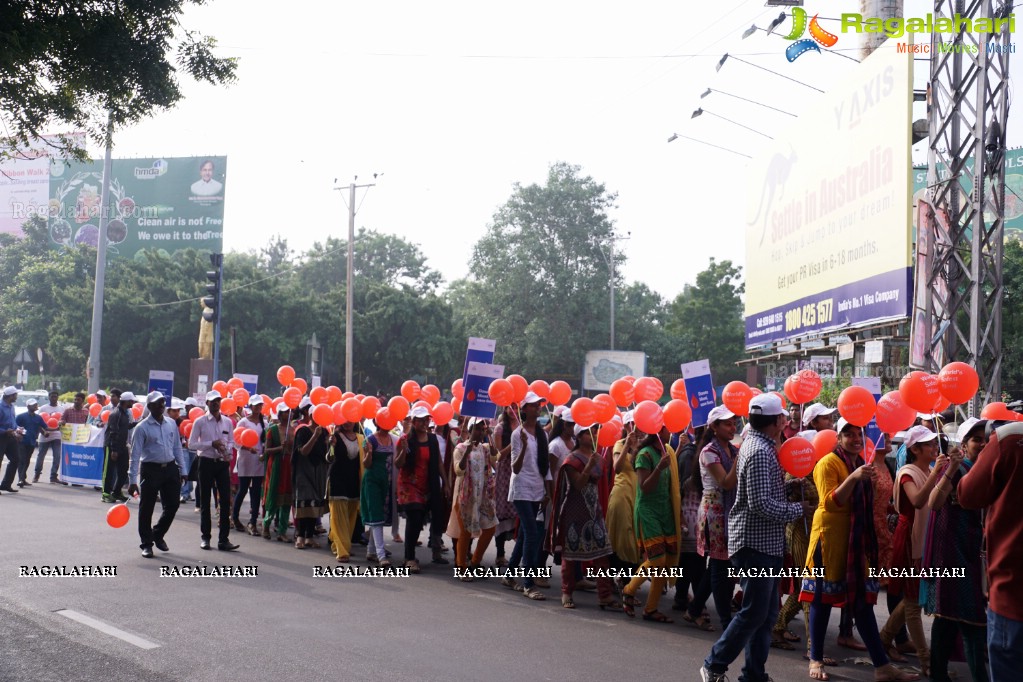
(514, 387)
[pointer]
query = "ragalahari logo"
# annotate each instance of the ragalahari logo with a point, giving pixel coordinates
(804, 45)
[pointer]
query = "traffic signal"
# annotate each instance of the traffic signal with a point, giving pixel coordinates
(215, 280)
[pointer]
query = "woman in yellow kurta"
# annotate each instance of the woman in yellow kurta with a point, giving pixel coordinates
(344, 486)
(622, 503)
(843, 543)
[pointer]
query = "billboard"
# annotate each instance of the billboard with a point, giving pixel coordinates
(828, 210)
(605, 366)
(25, 179)
(160, 203)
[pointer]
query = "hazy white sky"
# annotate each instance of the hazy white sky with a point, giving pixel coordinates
(456, 101)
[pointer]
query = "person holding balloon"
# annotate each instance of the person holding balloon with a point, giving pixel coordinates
(474, 511)
(51, 441)
(844, 544)
(417, 458)
(621, 504)
(248, 465)
(506, 518)
(309, 468)
(374, 499)
(278, 489)
(344, 485)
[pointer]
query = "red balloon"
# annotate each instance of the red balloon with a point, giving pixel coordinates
(292, 397)
(337, 414)
(797, 456)
(648, 416)
(584, 412)
(561, 393)
(918, 391)
(386, 420)
(351, 409)
(333, 394)
(410, 391)
(240, 397)
(520, 386)
(647, 388)
(346, 395)
(91, 399)
(605, 406)
(250, 438)
(237, 434)
(754, 392)
(370, 406)
(677, 415)
(301, 385)
(442, 413)
(137, 410)
(323, 416)
(894, 415)
(220, 387)
(678, 390)
(501, 392)
(736, 397)
(285, 375)
(234, 383)
(422, 403)
(457, 389)
(52, 422)
(997, 412)
(806, 386)
(195, 413)
(622, 392)
(609, 434)
(188, 429)
(958, 382)
(228, 406)
(118, 515)
(824, 442)
(398, 407)
(857, 405)
(318, 395)
(781, 397)
(541, 388)
(790, 389)
(430, 394)
(105, 416)
(941, 405)
(456, 403)
(631, 379)
(94, 410)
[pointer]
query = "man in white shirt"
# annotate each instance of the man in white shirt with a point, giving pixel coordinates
(211, 438)
(49, 441)
(206, 186)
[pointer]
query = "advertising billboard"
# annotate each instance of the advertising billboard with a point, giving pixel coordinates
(160, 203)
(25, 178)
(828, 210)
(602, 367)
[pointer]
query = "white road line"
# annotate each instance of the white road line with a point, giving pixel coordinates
(108, 629)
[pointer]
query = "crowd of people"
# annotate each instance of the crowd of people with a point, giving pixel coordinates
(710, 502)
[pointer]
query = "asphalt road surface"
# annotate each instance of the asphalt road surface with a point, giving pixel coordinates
(285, 624)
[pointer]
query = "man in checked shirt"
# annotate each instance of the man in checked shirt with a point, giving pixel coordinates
(756, 543)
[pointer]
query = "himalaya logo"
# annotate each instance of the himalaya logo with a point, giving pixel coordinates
(158, 168)
(799, 26)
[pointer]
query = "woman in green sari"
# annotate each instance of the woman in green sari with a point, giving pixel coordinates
(278, 493)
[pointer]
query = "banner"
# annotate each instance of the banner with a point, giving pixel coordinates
(476, 401)
(249, 382)
(162, 381)
(25, 180)
(872, 384)
(699, 389)
(602, 367)
(167, 204)
(479, 350)
(82, 453)
(827, 221)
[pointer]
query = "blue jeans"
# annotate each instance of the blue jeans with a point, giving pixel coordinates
(54, 447)
(1004, 647)
(750, 628)
(527, 542)
(186, 487)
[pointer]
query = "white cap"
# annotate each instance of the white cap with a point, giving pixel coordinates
(531, 398)
(129, 397)
(419, 412)
(919, 434)
(10, 390)
(560, 411)
(814, 411)
(927, 416)
(766, 404)
(964, 430)
(842, 423)
(808, 435)
(31, 402)
(101, 392)
(281, 407)
(213, 395)
(177, 404)
(256, 399)
(628, 418)
(476, 420)
(720, 413)
(305, 402)
(579, 429)
(154, 397)
(566, 416)
(191, 402)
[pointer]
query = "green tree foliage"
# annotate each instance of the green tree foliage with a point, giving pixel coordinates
(1012, 319)
(70, 64)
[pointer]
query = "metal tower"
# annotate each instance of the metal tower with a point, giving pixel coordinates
(962, 230)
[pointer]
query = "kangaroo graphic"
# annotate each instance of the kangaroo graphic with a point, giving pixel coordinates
(777, 174)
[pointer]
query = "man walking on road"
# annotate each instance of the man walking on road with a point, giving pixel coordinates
(156, 448)
(756, 543)
(31, 425)
(119, 424)
(49, 442)
(9, 437)
(211, 438)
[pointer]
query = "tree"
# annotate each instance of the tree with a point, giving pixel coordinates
(73, 64)
(1012, 318)
(706, 318)
(539, 276)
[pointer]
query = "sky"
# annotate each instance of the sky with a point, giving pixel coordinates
(452, 103)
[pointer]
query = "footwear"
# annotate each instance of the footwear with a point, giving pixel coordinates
(205, 544)
(227, 546)
(266, 531)
(238, 525)
(657, 617)
(895, 656)
(413, 566)
(22, 484)
(779, 642)
(372, 558)
(108, 498)
(397, 538)
(534, 594)
(147, 552)
(706, 675)
(161, 545)
(509, 583)
(251, 530)
(120, 498)
(311, 544)
(386, 563)
(566, 601)
(702, 622)
(35, 479)
(613, 605)
(9, 489)
(545, 584)
(501, 562)
(299, 543)
(629, 604)
(438, 559)
(343, 559)
(817, 671)
(53, 480)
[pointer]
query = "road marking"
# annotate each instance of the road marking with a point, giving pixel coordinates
(108, 629)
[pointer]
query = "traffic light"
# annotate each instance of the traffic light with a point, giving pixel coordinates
(215, 277)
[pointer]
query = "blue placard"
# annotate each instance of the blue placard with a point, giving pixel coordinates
(699, 390)
(479, 350)
(476, 401)
(162, 381)
(249, 382)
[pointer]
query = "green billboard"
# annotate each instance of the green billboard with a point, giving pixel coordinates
(159, 203)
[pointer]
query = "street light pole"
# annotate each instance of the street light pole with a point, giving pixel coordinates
(95, 341)
(350, 279)
(611, 266)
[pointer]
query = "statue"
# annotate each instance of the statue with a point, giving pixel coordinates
(205, 337)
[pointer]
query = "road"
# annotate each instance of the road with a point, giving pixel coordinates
(285, 624)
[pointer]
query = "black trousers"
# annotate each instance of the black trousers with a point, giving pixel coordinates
(163, 480)
(117, 471)
(214, 472)
(414, 520)
(10, 448)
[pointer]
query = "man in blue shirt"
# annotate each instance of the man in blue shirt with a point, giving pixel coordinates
(31, 424)
(156, 449)
(9, 436)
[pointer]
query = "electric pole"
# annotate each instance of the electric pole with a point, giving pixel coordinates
(611, 266)
(92, 369)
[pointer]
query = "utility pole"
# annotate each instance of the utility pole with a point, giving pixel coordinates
(92, 369)
(611, 266)
(350, 278)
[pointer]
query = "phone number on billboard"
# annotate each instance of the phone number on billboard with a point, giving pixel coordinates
(809, 315)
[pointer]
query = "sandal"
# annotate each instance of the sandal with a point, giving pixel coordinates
(283, 538)
(298, 543)
(413, 566)
(312, 544)
(613, 605)
(343, 559)
(386, 563)
(781, 644)
(657, 617)
(894, 655)
(534, 594)
(703, 622)
(790, 636)
(827, 660)
(629, 604)
(889, 673)
(466, 578)
(817, 671)
(566, 601)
